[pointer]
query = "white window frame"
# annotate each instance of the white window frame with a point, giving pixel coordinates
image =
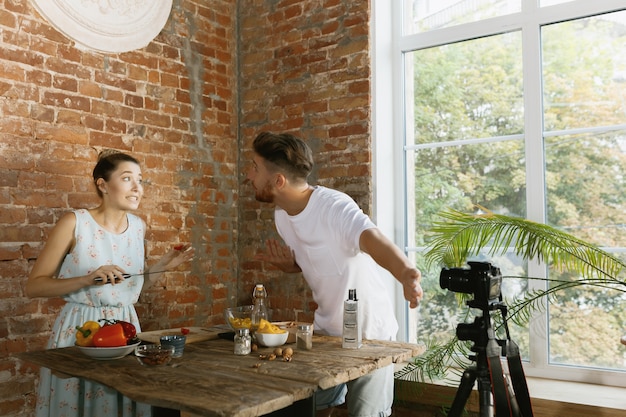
(390, 122)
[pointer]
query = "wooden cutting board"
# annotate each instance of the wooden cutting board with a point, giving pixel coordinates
(196, 334)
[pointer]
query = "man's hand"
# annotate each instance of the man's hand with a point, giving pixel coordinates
(281, 256)
(411, 287)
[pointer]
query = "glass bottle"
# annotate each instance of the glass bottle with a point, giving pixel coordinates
(259, 311)
(243, 342)
(304, 337)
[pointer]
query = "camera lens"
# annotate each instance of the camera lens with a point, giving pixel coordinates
(456, 280)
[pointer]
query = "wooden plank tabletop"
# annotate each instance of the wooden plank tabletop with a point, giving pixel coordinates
(194, 334)
(210, 380)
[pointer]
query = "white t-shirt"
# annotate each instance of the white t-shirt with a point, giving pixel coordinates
(325, 240)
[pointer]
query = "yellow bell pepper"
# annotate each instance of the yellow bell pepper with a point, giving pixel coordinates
(86, 332)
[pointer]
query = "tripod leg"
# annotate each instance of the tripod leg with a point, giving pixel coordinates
(463, 393)
(484, 396)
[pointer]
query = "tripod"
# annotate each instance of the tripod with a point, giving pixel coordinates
(493, 388)
(495, 393)
(477, 372)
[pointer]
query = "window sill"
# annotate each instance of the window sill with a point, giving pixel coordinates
(548, 397)
(578, 393)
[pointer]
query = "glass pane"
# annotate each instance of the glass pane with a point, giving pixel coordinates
(425, 15)
(586, 324)
(584, 72)
(491, 175)
(586, 188)
(457, 92)
(586, 197)
(467, 90)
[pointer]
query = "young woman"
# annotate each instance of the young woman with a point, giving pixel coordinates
(84, 261)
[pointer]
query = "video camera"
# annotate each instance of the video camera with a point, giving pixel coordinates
(481, 279)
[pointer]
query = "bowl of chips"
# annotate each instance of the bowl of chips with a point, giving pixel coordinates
(239, 317)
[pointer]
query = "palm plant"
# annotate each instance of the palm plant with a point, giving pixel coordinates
(460, 236)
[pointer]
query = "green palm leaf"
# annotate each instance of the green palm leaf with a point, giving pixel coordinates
(461, 235)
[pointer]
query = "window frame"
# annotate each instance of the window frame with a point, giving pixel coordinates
(390, 125)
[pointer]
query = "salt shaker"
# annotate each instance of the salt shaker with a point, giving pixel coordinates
(243, 342)
(304, 337)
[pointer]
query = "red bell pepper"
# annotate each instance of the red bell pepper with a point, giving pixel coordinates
(118, 333)
(110, 335)
(130, 331)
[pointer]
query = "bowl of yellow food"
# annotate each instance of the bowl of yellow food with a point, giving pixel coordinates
(271, 339)
(238, 317)
(270, 335)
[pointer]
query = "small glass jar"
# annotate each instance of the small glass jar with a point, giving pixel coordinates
(243, 342)
(304, 337)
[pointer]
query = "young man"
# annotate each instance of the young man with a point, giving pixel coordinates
(336, 247)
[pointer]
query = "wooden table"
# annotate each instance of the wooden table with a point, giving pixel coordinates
(209, 380)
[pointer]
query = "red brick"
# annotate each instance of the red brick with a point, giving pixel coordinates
(75, 102)
(17, 109)
(16, 127)
(114, 80)
(143, 60)
(8, 19)
(71, 69)
(169, 80)
(59, 133)
(69, 53)
(112, 95)
(9, 71)
(20, 234)
(134, 101)
(107, 140)
(88, 88)
(69, 117)
(94, 123)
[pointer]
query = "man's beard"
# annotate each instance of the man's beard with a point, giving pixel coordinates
(265, 194)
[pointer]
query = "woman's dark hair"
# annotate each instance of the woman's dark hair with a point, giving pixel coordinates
(108, 161)
(288, 153)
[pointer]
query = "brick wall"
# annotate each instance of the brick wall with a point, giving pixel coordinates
(187, 106)
(304, 68)
(172, 105)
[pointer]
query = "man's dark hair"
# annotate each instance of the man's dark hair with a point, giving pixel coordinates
(288, 153)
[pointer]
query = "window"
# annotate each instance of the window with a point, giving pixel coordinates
(518, 106)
